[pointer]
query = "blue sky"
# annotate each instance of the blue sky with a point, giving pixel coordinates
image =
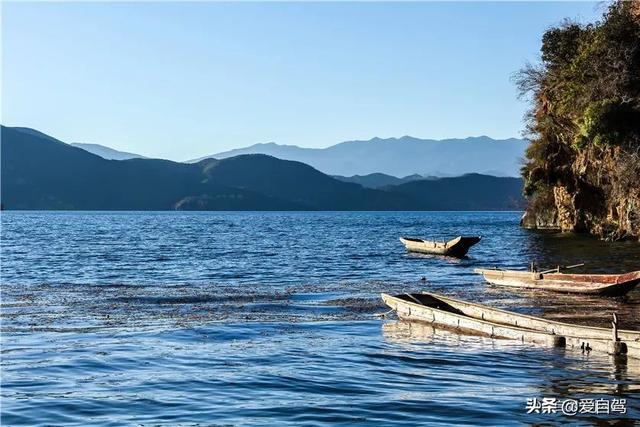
(181, 80)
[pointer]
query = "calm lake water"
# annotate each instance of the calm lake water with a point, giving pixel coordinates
(270, 319)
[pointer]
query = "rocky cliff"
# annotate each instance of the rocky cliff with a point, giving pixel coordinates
(582, 170)
(602, 198)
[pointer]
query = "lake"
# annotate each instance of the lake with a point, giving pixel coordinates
(270, 318)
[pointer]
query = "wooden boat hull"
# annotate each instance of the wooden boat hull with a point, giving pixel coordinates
(446, 319)
(457, 247)
(463, 316)
(588, 284)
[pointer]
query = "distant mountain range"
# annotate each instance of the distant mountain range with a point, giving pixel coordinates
(471, 192)
(41, 172)
(379, 180)
(370, 162)
(402, 156)
(106, 152)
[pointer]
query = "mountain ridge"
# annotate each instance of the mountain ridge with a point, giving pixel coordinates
(401, 156)
(39, 174)
(106, 152)
(379, 180)
(42, 173)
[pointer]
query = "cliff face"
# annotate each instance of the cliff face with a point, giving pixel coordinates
(582, 170)
(602, 197)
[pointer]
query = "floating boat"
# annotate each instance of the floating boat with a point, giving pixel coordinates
(476, 319)
(553, 280)
(457, 247)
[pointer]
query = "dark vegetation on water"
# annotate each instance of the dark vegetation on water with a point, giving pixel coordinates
(582, 171)
(40, 172)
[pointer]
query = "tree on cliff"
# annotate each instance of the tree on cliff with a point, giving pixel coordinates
(582, 168)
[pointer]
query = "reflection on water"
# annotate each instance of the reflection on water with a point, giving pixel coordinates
(552, 249)
(554, 372)
(411, 333)
(405, 332)
(269, 318)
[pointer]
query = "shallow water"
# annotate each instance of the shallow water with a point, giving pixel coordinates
(269, 318)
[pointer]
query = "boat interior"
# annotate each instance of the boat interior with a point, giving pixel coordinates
(430, 301)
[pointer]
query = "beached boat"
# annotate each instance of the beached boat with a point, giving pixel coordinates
(477, 319)
(457, 247)
(553, 280)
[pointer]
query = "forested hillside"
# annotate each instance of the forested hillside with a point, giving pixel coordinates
(582, 170)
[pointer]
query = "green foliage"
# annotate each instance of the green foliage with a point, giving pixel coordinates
(560, 45)
(585, 92)
(606, 122)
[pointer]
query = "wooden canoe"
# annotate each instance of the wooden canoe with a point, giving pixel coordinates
(589, 284)
(457, 247)
(477, 319)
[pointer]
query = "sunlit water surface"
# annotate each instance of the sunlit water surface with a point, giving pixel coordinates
(270, 319)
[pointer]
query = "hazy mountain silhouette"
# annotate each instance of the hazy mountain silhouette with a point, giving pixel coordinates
(106, 152)
(403, 156)
(41, 172)
(37, 133)
(378, 180)
(471, 192)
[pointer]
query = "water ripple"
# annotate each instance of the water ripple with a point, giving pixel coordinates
(269, 319)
